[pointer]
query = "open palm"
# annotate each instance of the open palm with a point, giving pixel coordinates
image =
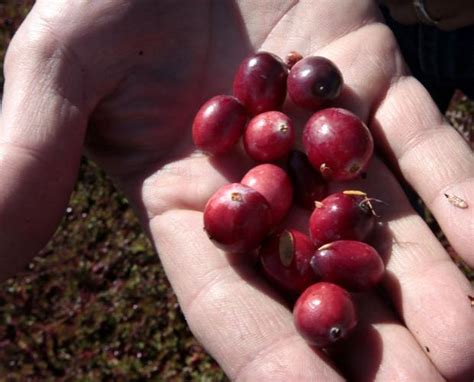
(124, 78)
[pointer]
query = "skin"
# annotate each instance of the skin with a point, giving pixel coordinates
(451, 14)
(122, 79)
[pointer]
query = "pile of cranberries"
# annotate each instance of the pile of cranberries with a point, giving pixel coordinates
(322, 267)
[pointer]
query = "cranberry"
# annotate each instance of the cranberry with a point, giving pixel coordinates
(308, 184)
(337, 143)
(218, 124)
(313, 81)
(292, 58)
(285, 259)
(260, 83)
(269, 136)
(275, 186)
(237, 218)
(343, 215)
(353, 265)
(324, 314)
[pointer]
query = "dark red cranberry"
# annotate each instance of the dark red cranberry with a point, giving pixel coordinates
(285, 259)
(346, 215)
(275, 186)
(308, 184)
(260, 83)
(313, 81)
(338, 144)
(353, 265)
(218, 124)
(292, 58)
(324, 314)
(237, 218)
(269, 136)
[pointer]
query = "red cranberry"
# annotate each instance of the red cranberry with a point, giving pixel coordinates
(308, 184)
(269, 136)
(338, 144)
(285, 258)
(260, 83)
(344, 215)
(324, 314)
(313, 81)
(218, 124)
(292, 58)
(275, 186)
(353, 265)
(237, 218)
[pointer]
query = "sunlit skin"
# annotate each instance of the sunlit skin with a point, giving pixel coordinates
(122, 80)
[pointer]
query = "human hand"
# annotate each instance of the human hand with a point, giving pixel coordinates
(450, 15)
(127, 77)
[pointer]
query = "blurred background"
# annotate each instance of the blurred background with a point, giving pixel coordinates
(95, 304)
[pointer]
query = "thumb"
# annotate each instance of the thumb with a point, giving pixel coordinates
(41, 135)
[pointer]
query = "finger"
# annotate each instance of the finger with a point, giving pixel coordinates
(304, 25)
(432, 156)
(41, 135)
(407, 125)
(239, 319)
(427, 289)
(187, 183)
(421, 270)
(381, 348)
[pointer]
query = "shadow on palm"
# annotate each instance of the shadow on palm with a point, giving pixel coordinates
(171, 59)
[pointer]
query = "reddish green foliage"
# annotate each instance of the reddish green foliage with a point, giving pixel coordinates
(11, 16)
(95, 304)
